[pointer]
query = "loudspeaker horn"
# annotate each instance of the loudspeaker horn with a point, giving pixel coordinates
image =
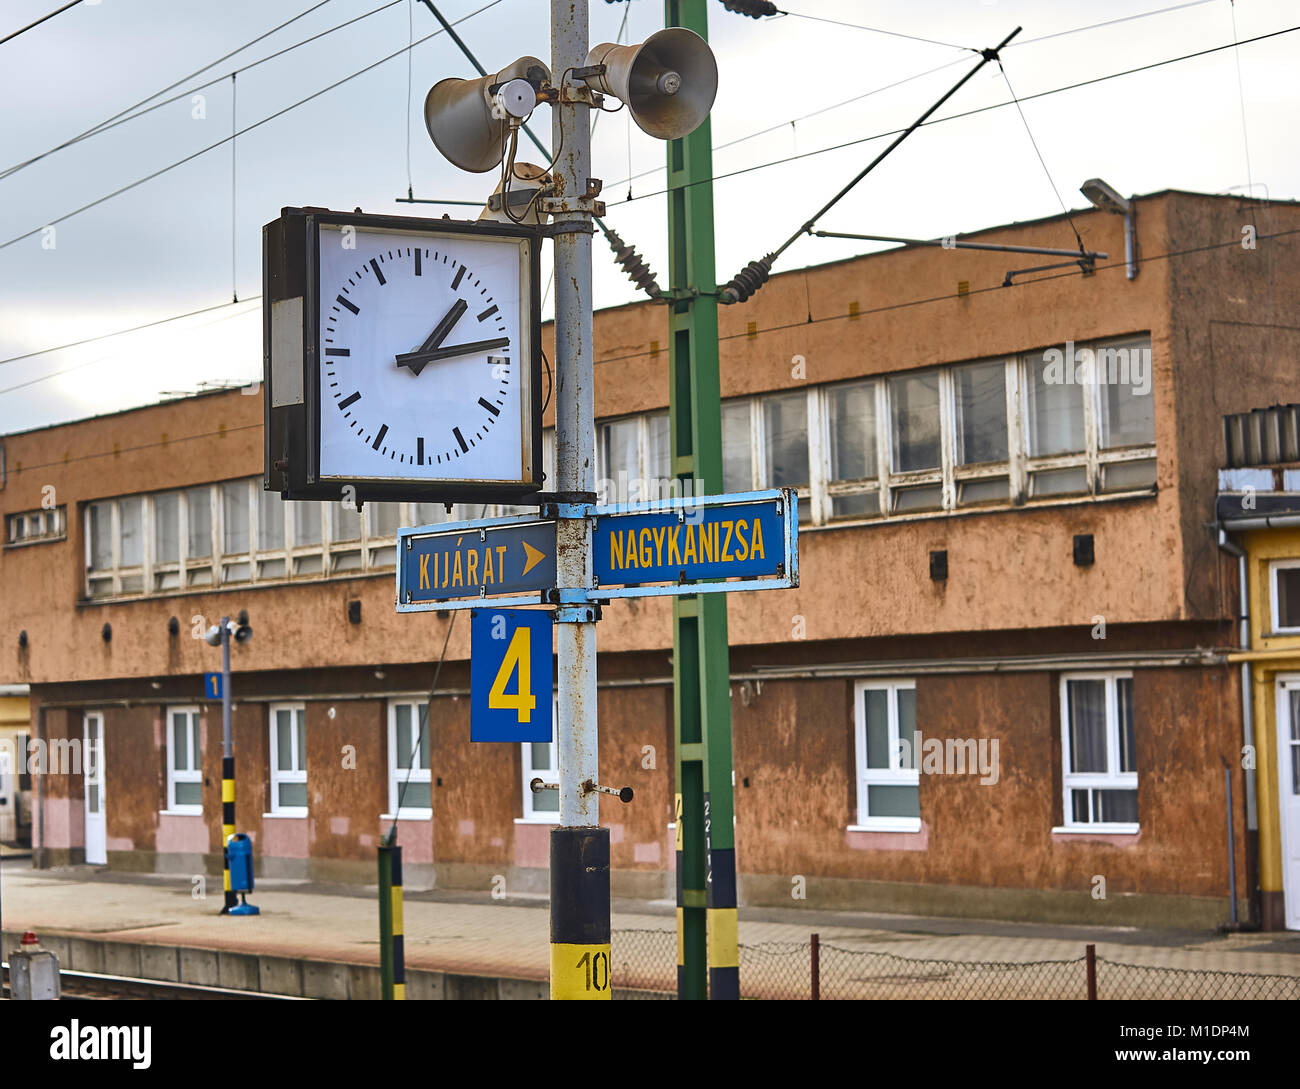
(461, 120)
(669, 81)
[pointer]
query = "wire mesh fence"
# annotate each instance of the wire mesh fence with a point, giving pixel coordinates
(645, 966)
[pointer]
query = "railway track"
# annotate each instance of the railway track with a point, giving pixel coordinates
(94, 985)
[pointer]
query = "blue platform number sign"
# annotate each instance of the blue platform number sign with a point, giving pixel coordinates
(511, 675)
(212, 686)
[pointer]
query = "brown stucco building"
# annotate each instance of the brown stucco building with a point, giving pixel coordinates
(1007, 549)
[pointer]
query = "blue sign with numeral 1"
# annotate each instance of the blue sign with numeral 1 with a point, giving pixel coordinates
(212, 686)
(511, 674)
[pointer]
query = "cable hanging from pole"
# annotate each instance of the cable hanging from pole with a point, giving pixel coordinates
(755, 274)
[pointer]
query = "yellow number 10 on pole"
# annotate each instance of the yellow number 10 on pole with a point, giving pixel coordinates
(518, 656)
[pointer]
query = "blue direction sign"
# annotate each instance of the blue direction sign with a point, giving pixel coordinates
(450, 566)
(212, 686)
(511, 674)
(690, 544)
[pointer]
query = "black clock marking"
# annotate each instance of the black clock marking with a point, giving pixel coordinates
(471, 431)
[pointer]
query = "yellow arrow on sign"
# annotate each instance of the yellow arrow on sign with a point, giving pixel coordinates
(534, 557)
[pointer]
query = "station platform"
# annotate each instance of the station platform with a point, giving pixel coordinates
(322, 942)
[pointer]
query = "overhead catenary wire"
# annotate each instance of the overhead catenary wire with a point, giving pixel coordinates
(761, 166)
(876, 30)
(753, 275)
(910, 79)
(802, 323)
(128, 114)
(1041, 161)
(99, 359)
(38, 22)
(961, 115)
(240, 132)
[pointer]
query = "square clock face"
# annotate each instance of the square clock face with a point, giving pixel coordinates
(426, 344)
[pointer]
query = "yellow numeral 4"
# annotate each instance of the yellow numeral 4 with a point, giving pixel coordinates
(518, 655)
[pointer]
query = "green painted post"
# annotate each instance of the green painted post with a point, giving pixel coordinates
(706, 856)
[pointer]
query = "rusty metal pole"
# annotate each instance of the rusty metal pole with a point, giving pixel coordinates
(579, 847)
(816, 967)
(1090, 957)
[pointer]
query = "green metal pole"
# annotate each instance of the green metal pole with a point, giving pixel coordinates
(706, 856)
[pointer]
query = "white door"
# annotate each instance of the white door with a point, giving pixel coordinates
(92, 770)
(1288, 781)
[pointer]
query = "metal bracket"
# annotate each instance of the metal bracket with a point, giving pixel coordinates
(587, 613)
(550, 230)
(568, 510)
(583, 204)
(579, 94)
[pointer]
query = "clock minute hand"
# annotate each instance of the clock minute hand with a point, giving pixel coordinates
(416, 360)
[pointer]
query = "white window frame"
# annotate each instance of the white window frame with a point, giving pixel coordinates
(396, 775)
(36, 526)
(641, 474)
(192, 774)
(1111, 779)
(1275, 617)
(532, 816)
(895, 774)
(294, 775)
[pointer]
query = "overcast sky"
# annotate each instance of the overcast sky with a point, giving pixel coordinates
(164, 247)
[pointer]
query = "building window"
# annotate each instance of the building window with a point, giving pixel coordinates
(916, 447)
(632, 459)
(853, 481)
(981, 470)
(184, 761)
(888, 782)
(737, 449)
(408, 760)
(288, 760)
(1098, 744)
(31, 527)
(541, 760)
(1285, 591)
(235, 532)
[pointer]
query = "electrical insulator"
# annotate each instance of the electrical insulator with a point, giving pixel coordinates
(755, 9)
(748, 280)
(634, 265)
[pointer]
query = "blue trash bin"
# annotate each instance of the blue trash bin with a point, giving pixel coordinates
(239, 855)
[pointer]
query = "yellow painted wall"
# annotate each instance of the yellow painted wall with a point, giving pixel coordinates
(1270, 656)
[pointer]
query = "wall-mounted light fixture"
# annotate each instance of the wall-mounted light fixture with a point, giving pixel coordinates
(1108, 199)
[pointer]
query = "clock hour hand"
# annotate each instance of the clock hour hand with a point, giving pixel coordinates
(445, 326)
(417, 360)
(434, 339)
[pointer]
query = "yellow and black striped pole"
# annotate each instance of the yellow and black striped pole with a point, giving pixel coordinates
(580, 914)
(227, 769)
(227, 827)
(392, 943)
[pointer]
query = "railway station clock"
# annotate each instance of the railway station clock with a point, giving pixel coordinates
(402, 358)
